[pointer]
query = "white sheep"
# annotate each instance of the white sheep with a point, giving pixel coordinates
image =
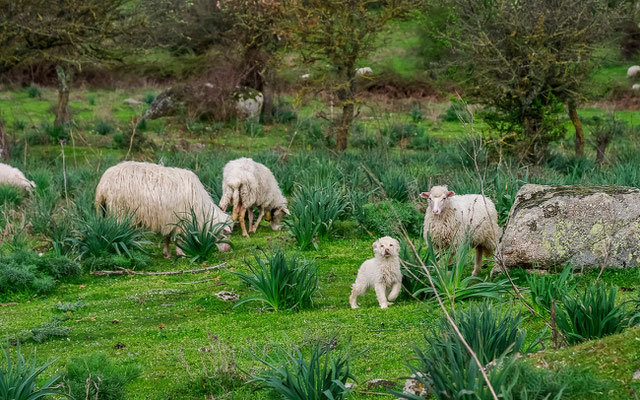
(449, 218)
(305, 77)
(633, 71)
(158, 197)
(636, 87)
(364, 71)
(247, 184)
(14, 177)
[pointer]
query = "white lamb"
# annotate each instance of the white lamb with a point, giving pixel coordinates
(364, 71)
(158, 197)
(381, 273)
(449, 218)
(13, 176)
(633, 71)
(247, 184)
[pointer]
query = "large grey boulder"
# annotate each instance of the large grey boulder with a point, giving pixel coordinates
(166, 103)
(586, 226)
(248, 102)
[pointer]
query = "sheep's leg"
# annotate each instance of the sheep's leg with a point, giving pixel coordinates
(255, 227)
(250, 218)
(395, 291)
(477, 264)
(356, 291)
(236, 212)
(381, 295)
(166, 251)
(242, 224)
(179, 251)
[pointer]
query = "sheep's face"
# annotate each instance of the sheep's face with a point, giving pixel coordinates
(277, 215)
(386, 247)
(225, 235)
(438, 196)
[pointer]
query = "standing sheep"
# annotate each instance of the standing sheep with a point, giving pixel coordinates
(633, 71)
(158, 196)
(247, 184)
(13, 176)
(449, 218)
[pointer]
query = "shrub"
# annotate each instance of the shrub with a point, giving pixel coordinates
(70, 307)
(283, 113)
(363, 138)
(33, 91)
(591, 315)
(10, 195)
(24, 270)
(19, 124)
(199, 240)
(401, 132)
(281, 283)
(457, 112)
(149, 98)
(603, 131)
(414, 278)
(45, 332)
(447, 273)
(314, 132)
(103, 127)
(97, 377)
(323, 375)
(547, 288)
(142, 125)
(416, 114)
(384, 218)
(57, 133)
(107, 235)
(422, 141)
(313, 211)
(43, 205)
(396, 185)
(18, 378)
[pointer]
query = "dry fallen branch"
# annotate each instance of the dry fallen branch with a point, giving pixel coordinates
(125, 271)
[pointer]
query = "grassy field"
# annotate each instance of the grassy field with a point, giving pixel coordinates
(168, 324)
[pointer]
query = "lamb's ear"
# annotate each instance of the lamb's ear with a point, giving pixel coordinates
(450, 193)
(424, 195)
(286, 211)
(375, 245)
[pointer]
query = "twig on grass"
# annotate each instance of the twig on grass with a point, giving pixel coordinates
(202, 281)
(126, 271)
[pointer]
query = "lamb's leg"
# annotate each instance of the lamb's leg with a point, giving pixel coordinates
(395, 291)
(381, 295)
(356, 291)
(477, 264)
(166, 251)
(255, 227)
(242, 224)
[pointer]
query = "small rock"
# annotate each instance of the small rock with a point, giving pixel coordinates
(119, 345)
(227, 296)
(636, 375)
(415, 387)
(115, 321)
(379, 383)
(208, 85)
(349, 385)
(132, 102)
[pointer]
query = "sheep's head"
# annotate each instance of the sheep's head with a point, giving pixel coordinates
(386, 247)
(225, 234)
(277, 214)
(438, 196)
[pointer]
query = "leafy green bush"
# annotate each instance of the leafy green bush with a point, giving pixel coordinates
(281, 283)
(591, 315)
(46, 331)
(23, 270)
(314, 209)
(547, 288)
(57, 133)
(384, 218)
(321, 376)
(199, 240)
(97, 377)
(107, 235)
(103, 127)
(18, 378)
(10, 195)
(457, 112)
(33, 91)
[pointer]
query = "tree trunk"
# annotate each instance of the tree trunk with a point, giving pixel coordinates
(4, 144)
(579, 139)
(62, 109)
(346, 96)
(344, 125)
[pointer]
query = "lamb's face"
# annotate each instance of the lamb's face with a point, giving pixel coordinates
(386, 247)
(438, 196)
(277, 215)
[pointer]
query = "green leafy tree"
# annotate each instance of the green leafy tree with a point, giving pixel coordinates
(333, 36)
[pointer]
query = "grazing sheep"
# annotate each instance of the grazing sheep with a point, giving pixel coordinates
(13, 176)
(381, 273)
(158, 196)
(247, 184)
(636, 86)
(449, 218)
(364, 71)
(633, 71)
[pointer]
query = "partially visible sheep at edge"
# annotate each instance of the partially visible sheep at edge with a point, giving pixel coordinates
(363, 71)
(633, 71)
(158, 197)
(449, 218)
(14, 177)
(247, 184)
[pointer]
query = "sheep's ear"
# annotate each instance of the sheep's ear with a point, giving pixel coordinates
(286, 211)
(450, 193)
(227, 229)
(424, 195)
